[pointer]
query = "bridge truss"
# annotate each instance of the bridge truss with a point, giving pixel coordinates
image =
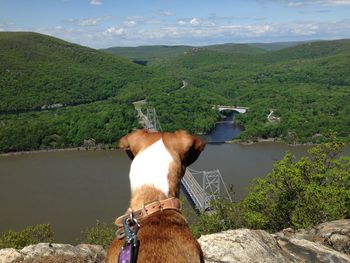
(213, 187)
(199, 195)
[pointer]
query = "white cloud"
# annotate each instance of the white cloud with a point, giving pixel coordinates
(196, 31)
(114, 31)
(167, 13)
(92, 21)
(194, 22)
(181, 22)
(328, 3)
(89, 22)
(295, 4)
(95, 2)
(130, 23)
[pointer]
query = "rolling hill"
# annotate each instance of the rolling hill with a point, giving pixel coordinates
(38, 70)
(307, 86)
(154, 54)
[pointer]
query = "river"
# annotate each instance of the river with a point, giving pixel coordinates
(72, 189)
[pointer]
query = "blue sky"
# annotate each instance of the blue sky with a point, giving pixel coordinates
(105, 23)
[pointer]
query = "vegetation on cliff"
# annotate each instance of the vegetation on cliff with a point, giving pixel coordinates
(296, 193)
(28, 236)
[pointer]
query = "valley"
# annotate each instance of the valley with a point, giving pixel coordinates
(306, 84)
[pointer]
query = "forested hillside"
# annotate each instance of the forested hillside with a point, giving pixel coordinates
(38, 70)
(307, 87)
(57, 94)
(157, 54)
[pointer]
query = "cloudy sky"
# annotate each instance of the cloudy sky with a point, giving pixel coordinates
(105, 23)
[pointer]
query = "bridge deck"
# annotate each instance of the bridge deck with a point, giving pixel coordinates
(194, 191)
(192, 188)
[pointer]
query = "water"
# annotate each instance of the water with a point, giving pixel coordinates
(72, 189)
(223, 131)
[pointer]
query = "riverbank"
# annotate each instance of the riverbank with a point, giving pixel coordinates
(271, 140)
(68, 149)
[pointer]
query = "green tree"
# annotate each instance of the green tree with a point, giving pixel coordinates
(28, 236)
(301, 193)
(296, 193)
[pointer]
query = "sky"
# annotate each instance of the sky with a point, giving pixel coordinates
(107, 23)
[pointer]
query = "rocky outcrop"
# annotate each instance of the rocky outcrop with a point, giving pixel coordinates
(335, 235)
(243, 245)
(328, 242)
(325, 243)
(53, 253)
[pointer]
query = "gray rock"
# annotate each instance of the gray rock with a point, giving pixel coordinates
(334, 234)
(10, 255)
(243, 245)
(307, 251)
(325, 243)
(55, 253)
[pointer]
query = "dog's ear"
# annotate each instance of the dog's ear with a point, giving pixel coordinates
(197, 146)
(124, 144)
(187, 146)
(136, 141)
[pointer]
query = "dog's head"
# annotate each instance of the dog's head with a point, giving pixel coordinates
(160, 159)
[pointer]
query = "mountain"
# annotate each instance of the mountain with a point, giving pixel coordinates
(236, 48)
(38, 70)
(58, 94)
(147, 53)
(274, 46)
(313, 50)
(307, 86)
(152, 54)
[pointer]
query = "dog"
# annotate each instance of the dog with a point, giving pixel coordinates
(159, 161)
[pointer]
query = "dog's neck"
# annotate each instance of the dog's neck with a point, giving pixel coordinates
(154, 175)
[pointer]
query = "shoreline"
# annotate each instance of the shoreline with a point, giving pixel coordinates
(110, 148)
(268, 140)
(68, 149)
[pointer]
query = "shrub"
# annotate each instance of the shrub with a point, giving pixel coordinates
(99, 234)
(295, 194)
(28, 236)
(223, 216)
(301, 193)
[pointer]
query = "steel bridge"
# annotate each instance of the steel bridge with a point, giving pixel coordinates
(232, 108)
(200, 196)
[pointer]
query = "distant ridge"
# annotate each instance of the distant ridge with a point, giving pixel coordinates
(274, 46)
(38, 70)
(154, 53)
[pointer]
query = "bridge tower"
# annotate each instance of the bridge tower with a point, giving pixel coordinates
(153, 123)
(200, 196)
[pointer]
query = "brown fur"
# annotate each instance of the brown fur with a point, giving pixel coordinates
(164, 236)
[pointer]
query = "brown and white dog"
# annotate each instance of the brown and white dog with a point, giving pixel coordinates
(159, 163)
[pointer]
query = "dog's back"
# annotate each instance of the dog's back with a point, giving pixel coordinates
(160, 160)
(164, 237)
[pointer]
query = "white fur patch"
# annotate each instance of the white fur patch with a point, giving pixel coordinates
(151, 167)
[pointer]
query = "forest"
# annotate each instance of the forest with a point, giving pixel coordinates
(56, 94)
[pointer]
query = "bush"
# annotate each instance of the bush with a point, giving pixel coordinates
(224, 216)
(28, 236)
(301, 193)
(295, 194)
(99, 234)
